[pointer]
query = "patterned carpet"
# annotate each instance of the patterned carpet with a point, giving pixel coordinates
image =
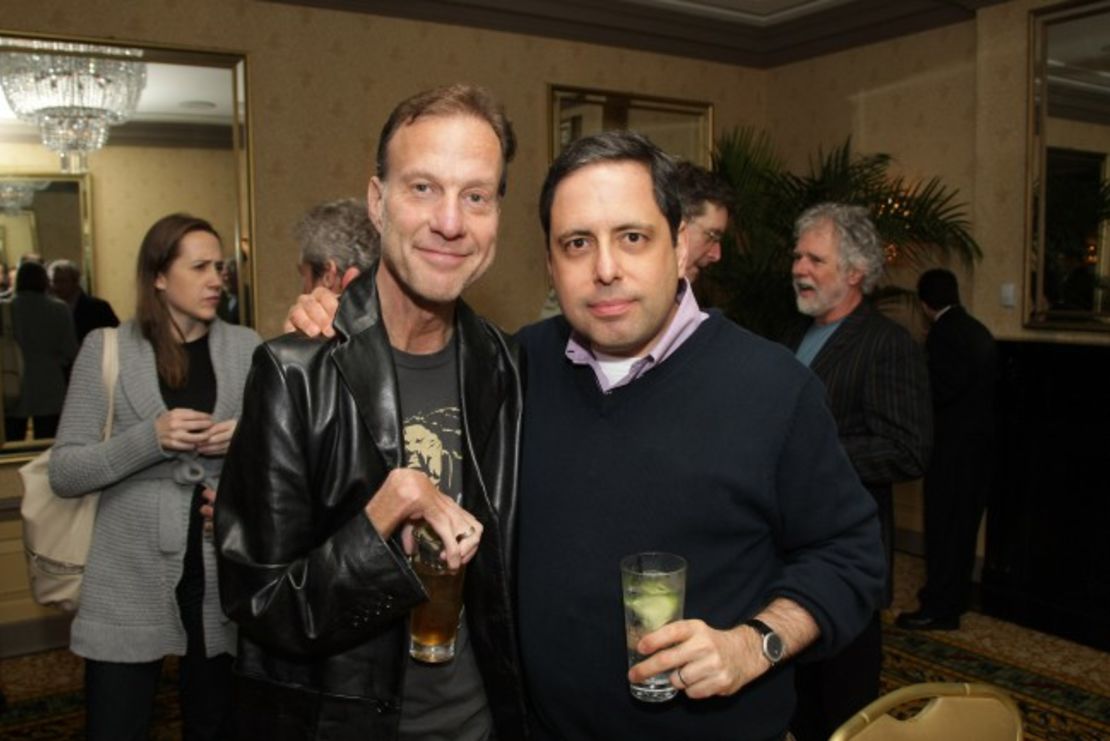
(45, 701)
(1063, 689)
(1052, 707)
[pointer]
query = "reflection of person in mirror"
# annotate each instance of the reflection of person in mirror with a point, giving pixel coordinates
(8, 283)
(230, 308)
(89, 312)
(335, 237)
(43, 329)
(150, 584)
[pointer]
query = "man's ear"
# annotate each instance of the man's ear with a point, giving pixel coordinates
(329, 278)
(349, 275)
(682, 248)
(375, 201)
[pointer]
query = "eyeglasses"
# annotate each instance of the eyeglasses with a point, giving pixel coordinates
(712, 236)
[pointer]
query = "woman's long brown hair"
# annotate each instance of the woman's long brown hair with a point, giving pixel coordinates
(161, 246)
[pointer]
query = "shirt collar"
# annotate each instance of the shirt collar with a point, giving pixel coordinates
(683, 324)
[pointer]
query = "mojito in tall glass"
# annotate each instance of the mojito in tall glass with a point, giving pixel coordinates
(654, 591)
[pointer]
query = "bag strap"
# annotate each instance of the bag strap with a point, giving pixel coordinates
(109, 371)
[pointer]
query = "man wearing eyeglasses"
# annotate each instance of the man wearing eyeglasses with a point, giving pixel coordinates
(706, 203)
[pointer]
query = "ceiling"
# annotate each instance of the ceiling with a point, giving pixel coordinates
(759, 33)
(752, 33)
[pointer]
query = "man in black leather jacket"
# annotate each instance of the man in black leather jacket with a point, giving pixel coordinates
(331, 466)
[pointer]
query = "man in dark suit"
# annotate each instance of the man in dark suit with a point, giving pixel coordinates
(961, 359)
(89, 312)
(878, 390)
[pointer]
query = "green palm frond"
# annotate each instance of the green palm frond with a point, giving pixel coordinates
(922, 218)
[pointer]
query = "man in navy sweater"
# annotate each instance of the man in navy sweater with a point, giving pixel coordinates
(651, 425)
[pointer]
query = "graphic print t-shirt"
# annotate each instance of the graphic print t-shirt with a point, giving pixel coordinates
(439, 701)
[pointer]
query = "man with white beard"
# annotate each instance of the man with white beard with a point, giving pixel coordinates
(878, 389)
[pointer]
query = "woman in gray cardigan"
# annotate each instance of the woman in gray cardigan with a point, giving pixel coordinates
(150, 584)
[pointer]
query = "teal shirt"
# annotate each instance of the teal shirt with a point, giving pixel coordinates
(815, 338)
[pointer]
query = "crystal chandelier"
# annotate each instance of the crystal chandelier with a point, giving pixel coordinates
(18, 195)
(73, 98)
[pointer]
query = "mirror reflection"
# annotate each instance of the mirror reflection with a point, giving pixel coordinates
(681, 128)
(183, 148)
(1070, 244)
(44, 237)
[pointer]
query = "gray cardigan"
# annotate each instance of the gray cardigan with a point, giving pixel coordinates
(128, 610)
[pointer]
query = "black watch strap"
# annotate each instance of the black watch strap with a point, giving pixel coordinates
(774, 649)
(763, 628)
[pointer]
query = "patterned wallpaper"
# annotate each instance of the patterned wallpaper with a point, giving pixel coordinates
(949, 102)
(913, 98)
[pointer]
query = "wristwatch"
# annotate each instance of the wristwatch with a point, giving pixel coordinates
(773, 647)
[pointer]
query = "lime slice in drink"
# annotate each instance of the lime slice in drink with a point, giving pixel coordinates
(654, 610)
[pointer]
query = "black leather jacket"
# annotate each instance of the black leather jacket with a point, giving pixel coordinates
(321, 599)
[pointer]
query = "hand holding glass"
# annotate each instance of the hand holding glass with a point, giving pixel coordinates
(654, 590)
(435, 622)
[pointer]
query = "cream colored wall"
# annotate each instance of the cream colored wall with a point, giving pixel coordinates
(323, 81)
(131, 188)
(913, 98)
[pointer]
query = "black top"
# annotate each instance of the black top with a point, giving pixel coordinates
(199, 391)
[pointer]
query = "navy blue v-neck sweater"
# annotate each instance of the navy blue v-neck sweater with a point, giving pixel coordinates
(726, 454)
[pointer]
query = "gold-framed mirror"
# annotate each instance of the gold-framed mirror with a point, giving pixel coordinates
(1068, 227)
(185, 147)
(682, 128)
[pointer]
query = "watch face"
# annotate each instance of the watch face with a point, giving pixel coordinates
(773, 647)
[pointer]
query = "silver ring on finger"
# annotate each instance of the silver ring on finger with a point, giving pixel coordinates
(681, 678)
(463, 536)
